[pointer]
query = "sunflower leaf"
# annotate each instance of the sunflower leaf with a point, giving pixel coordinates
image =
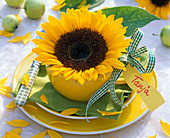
(76, 3)
(133, 17)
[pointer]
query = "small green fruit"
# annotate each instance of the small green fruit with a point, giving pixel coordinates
(14, 3)
(34, 9)
(165, 35)
(10, 23)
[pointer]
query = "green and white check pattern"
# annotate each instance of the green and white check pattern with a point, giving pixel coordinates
(132, 53)
(24, 92)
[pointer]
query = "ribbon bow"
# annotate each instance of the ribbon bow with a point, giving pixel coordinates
(132, 53)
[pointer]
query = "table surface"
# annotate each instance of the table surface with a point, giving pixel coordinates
(11, 55)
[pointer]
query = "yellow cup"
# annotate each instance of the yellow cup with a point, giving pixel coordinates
(73, 90)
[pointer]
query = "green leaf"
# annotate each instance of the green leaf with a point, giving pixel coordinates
(75, 3)
(133, 17)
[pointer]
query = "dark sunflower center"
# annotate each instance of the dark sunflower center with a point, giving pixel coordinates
(160, 3)
(81, 49)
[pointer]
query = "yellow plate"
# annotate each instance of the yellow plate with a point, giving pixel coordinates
(134, 111)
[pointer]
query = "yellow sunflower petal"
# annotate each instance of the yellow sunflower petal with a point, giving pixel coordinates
(25, 80)
(3, 81)
(54, 134)
(83, 3)
(18, 123)
(86, 76)
(81, 80)
(19, 18)
(11, 104)
(59, 122)
(95, 75)
(5, 33)
(70, 111)
(40, 42)
(166, 127)
(40, 135)
(85, 7)
(60, 1)
(30, 107)
(55, 62)
(76, 75)
(69, 74)
(58, 7)
(44, 99)
(12, 135)
(37, 50)
(105, 113)
(152, 136)
(16, 39)
(6, 90)
(17, 130)
(26, 38)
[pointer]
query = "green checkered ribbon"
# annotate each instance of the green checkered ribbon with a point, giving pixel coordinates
(24, 92)
(133, 52)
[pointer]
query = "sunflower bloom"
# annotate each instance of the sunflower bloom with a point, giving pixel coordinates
(160, 8)
(82, 45)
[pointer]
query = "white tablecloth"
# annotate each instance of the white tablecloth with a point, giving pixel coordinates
(11, 54)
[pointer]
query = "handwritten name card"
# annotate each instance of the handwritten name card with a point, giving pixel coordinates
(149, 94)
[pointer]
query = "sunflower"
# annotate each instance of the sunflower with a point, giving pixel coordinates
(160, 8)
(82, 45)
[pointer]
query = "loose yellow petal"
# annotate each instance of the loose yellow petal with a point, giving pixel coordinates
(19, 18)
(3, 81)
(44, 99)
(5, 33)
(26, 38)
(70, 111)
(40, 135)
(30, 107)
(104, 113)
(166, 127)
(25, 80)
(59, 122)
(83, 3)
(54, 134)
(58, 7)
(6, 91)
(113, 137)
(18, 123)
(16, 39)
(152, 136)
(12, 135)
(17, 130)
(11, 105)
